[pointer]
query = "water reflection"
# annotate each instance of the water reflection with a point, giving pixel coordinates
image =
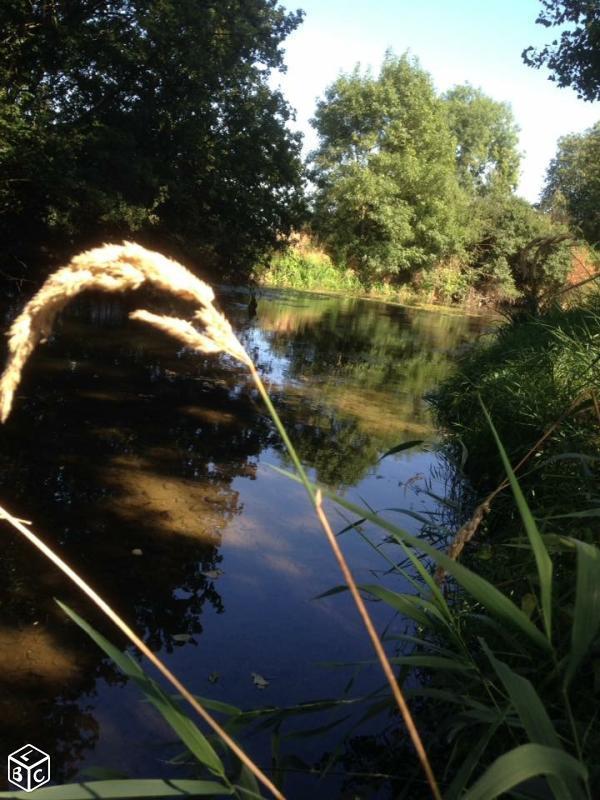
(145, 466)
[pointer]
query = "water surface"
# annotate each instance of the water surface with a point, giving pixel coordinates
(149, 468)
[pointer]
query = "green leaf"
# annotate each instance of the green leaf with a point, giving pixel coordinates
(522, 763)
(535, 719)
(246, 784)
(526, 702)
(543, 560)
(483, 591)
(183, 726)
(463, 773)
(400, 447)
(124, 790)
(588, 512)
(422, 611)
(433, 662)
(330, 592)
(586, 620)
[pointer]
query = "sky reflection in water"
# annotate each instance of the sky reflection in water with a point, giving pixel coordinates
(121, 442)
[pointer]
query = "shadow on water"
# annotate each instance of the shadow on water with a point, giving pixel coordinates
(145, 466)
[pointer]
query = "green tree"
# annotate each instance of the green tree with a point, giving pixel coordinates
(573, 181)
(387, 195)
(145, 117)
(516, 248)
(486, 139)
(574, 58)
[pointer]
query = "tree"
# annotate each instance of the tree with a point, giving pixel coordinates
(386, 188)
(151, 118)
(486, 136)
(516, 248)
(573, 181)
(574, 59)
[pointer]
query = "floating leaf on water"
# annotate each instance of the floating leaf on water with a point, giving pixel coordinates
(212, 574)
(182, 637)
(213, 677)
(137, 552)
(259, 681)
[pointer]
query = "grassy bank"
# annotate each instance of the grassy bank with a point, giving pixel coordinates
(310, 269)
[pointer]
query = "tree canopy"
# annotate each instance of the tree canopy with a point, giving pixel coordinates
(387, 191)
(574, 58)
(486, 138)
(152, 118)
(573, 181)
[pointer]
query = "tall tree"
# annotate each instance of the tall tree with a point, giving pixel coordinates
(145, 117)
(574, 58)
(573, 181)
(486, 139)
(387, 194)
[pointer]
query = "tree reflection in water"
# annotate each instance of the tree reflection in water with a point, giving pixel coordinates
(120, 443)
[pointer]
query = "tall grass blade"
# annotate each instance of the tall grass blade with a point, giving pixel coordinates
(586, 619)
(400, 447)
(466, 769)
(535, 719)
(543, 560)
(483, 591)
(521, 764)
(183, 726)
(124, 790)
(422, 611)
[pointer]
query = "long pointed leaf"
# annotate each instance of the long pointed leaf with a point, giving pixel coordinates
(183, 726)
(478, 587)
(535, 719)
(586, 619)
(542, 558)
(522, 763)
(124, 790)
(400, 447)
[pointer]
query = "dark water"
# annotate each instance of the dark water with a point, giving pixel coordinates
(122, 442)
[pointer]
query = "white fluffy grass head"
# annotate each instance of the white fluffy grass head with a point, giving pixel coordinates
(116, 268)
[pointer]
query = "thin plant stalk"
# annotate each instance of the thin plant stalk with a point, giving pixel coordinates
(317, 501)
(117, 268)
(135, 640)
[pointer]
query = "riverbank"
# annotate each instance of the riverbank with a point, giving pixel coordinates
(305, 267)
(528, 396)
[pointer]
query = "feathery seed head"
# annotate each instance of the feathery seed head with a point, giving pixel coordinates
(116, 268)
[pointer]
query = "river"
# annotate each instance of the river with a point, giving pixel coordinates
(149, 469)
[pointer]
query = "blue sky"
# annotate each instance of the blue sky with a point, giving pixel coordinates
(457, 41)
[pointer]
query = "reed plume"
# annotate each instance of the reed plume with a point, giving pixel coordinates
(116, 268)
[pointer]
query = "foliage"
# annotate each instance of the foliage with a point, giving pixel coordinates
(574, 59)
(486, 139)
(502, 228)
(573, 181)
(153, 117)
(308, 270)
(497, 669)
(529, 375)
(387, 193)
(448, 282)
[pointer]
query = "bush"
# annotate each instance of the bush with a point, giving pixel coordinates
(308, 269)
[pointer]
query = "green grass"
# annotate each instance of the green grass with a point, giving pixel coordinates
(311, 270)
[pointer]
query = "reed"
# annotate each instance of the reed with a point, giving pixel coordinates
(117, 268)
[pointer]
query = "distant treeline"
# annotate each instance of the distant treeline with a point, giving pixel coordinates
(157, 121)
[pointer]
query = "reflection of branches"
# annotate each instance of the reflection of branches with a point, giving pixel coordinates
(114, 268)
